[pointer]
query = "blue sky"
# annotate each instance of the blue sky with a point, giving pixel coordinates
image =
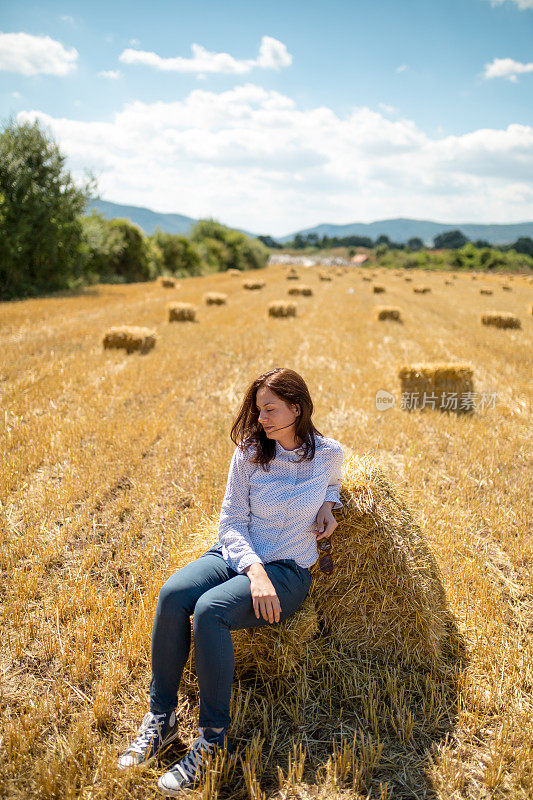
(286, 114)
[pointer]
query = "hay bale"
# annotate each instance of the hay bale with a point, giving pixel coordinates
(166, 282)
(448, 283)
(281, 308)
(234, 272)
(408, 279)
(506, 287)
(385, 596)
(181, 312)
(305, 291)
(215, 298)
(428, 382)
(388, 312)
(485, 291)
(253, 285)
(324, 276)
(378, 289)
(130, 338)
(421, 289)
(501, 319)
(293, 276)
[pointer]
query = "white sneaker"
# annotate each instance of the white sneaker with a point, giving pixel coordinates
(187, 771)
(156, 731)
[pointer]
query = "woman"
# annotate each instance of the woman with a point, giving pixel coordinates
(284, 479)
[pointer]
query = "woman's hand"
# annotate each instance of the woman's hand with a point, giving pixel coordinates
(325, 522)
(265, 600)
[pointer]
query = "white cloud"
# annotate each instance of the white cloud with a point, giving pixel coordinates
(272, 54)
(253, 159)
(112, 74)
(506, 68)
(34, 55)
(401, 68)
(522, 4)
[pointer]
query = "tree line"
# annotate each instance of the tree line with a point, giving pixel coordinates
(49, 243)
(450, 240)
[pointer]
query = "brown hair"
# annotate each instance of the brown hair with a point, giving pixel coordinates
(246, 430)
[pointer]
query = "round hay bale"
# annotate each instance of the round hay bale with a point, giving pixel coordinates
(282, 308)
(293, 276)
(234, 272)
(167, 282)
(378, 289)
(253, 285)
(215, 299)
(426, 385)
(388, 312)
(501, 319)
(130, 338)
(506, 287)
(408, 279)
(181, 312)
(385, 594)
(421, 289)
(485, 291)
(324, 276)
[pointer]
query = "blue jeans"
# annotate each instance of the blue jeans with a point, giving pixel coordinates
(220, 600)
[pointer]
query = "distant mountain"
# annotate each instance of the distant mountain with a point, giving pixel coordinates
(398, 230)
(402, 229)
(146, 219)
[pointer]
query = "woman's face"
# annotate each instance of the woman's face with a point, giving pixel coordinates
(274, 412)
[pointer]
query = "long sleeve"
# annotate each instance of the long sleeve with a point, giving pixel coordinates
(334, 487)
(233, 530)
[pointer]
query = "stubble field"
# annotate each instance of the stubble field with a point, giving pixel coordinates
(112, 461)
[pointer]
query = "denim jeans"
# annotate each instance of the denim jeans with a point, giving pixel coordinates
(220, 600)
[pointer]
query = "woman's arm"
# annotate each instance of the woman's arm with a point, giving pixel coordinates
(235, 514)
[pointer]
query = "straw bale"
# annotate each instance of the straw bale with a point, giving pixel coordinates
(234, 272)
(501, 319)
(388, 312)
(385, 596)
(324, 276)
(306, 291)
(485, 291)
(435, 379)
(166, 282)
(378, 289)
(448, 283)
(366, 278)
(253, 284)
(408, 279)
(421, 289)
(506, 287)
(130, 337)
(215, 298)
(282, 308)
(293, 276)
(181, 312)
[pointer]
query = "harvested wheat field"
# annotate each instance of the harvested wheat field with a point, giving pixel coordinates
(407, 672)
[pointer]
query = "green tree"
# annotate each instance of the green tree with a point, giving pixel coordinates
(450, 240)
(415, 243)
(41, 235)
(180, 255)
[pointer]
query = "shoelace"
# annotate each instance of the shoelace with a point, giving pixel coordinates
(189, 765)
(150, 726)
